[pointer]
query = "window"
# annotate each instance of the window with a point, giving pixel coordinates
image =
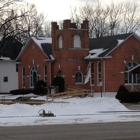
(77, 41)
(16, 67)
(92, 73)
(45, 73)
(60, 45)
(23, 77)
(131, 78)
(79, 77)
(98, 72)
(5, 79)
(59, 73)
(33, 76)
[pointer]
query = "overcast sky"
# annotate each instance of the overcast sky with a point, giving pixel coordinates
(60, 9)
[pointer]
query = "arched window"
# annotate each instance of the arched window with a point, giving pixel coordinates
(98, 72)
(77, 41)
(59, 73)
(45, 73)
(79, 78)
(60, 45)
(131, 78)
(23, 77)
(33, 76)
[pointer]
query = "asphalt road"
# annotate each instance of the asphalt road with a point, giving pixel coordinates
(95, 131)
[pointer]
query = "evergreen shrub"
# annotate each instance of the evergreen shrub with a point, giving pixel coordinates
(125, 96)
(21, 91)
(59, 81)
(39, 88)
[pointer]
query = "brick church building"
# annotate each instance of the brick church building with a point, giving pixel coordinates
(68, 52)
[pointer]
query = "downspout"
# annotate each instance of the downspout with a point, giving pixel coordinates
(51, 72)
(104, 76)
(132, 86)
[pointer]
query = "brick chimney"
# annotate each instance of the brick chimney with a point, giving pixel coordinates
(85, 25)
(73, 25)
(66, 24)
(54, 26)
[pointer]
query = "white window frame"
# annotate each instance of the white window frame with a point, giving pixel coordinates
(60, 42)
(92, 73)
(80, 79)
(99, 72)
(23, 77)
(32, 71)
(77, 41)
(131, 78)
(45, 73)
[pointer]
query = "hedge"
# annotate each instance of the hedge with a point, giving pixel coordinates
(125, 96)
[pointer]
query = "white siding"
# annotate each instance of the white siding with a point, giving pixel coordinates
(8, 69)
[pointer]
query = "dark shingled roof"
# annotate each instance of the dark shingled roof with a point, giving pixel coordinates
(45, 44)
(12, 48)
(108, 43)
(47, 48)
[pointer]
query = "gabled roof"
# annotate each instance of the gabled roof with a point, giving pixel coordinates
(44, 44)
(12, 49)
(102, 47)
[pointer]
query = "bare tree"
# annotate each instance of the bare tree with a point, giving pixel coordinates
(47, 29)
(108, 19)
(9, 20)
(33, 22)
(131, 18)
(20, 20)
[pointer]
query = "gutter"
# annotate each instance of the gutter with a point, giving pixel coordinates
(107, 57)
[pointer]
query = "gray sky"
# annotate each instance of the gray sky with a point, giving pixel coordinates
(60, 9)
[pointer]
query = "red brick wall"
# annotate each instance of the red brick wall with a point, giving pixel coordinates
(69, 58)
(114, 67)
(32, 57)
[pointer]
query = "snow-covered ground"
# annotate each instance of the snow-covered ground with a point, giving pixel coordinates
(68, 111)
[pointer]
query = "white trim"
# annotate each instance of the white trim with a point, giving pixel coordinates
(76, 41)
(26, 46)
(106, 57)
(81, 77)
(60, 42)
(134, 68)
(45, 73)
(133, 34)
(23, 77)
(104, 75)
(98, 82)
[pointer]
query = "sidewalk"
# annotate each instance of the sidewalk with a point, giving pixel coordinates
(132, 106)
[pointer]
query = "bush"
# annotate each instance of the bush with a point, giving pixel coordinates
(121, 89)
(59, 81)
(21, 91)
(125, 96)
(122, 93)
(39, 88)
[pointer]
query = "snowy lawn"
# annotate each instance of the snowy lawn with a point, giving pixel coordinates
(68, 111)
